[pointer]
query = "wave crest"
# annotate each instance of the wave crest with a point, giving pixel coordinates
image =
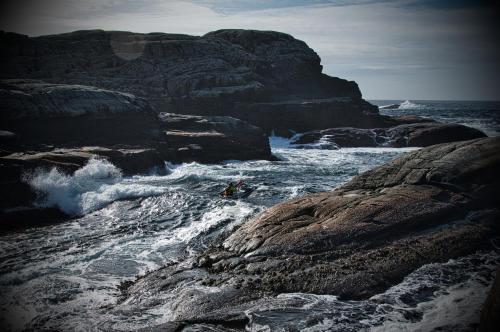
(409, 105)
(91, 187)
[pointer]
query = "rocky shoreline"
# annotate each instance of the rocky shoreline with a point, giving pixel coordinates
(118, 95)
(139, 100)
(430, 205)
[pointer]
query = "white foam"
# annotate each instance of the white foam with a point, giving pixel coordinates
(236, 212)
(409, 105)
(91, 187)
(278, 142)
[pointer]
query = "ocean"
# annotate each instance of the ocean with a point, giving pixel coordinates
(66, 277)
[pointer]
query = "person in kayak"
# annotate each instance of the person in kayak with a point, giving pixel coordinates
(230, 190)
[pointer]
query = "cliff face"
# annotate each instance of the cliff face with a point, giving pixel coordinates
(219, 73)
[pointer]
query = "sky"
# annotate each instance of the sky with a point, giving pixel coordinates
(394, 49)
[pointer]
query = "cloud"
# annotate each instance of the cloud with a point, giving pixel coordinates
(233, 6)
(391, 48)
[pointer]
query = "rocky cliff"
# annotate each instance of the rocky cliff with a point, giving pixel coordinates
(243, 73)
(428, 206)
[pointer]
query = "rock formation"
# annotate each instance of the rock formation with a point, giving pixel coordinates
(490, 320)
(46, 125)
(40, 116)
(244, 73)
(428, 206)
(406, 135)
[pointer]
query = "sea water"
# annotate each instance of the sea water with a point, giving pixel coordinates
(66, 276)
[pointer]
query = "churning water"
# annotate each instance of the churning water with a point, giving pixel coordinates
(65, 277)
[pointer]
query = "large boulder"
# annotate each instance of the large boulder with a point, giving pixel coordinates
(405, 135)
(428, 206)
(225, 72)
(211, 139)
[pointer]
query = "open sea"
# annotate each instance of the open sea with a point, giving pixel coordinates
(65, 277)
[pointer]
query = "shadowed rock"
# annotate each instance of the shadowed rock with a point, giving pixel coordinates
(406, 135)
(249, 74)
(41, 113)
(490, 320)
(211, 139)
(428, 206)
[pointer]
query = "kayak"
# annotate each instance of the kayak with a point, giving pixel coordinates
(242, 193)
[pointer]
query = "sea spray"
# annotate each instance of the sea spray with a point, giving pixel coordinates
(91, 187)
(409, 105)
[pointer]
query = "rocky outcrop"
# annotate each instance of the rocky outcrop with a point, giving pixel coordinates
(252, 75)
(430, 205)
(48, 125)
(288, 117)
(41, 113)
(406, 135)
(40, 116)
(490, 320)
(211, 139)
(425, 134)
(233, 64)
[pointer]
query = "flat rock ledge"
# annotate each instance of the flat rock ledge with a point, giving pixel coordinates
(428, 206)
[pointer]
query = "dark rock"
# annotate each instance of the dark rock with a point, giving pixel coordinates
(74, 115)
(339, 137)
(252, 75)
(174, 68)
(211, 139)
(490, 318)
(46, 115)
(289, 117)
(406, 135)
(425, 134)
(428, 206)
(8, 142)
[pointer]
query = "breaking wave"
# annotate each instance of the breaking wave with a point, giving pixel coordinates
(409, 105)
(90, 188)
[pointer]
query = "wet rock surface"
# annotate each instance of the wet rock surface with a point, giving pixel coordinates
(405, 135)
(428, 206)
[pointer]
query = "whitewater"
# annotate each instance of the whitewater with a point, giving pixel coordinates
(67, 276)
